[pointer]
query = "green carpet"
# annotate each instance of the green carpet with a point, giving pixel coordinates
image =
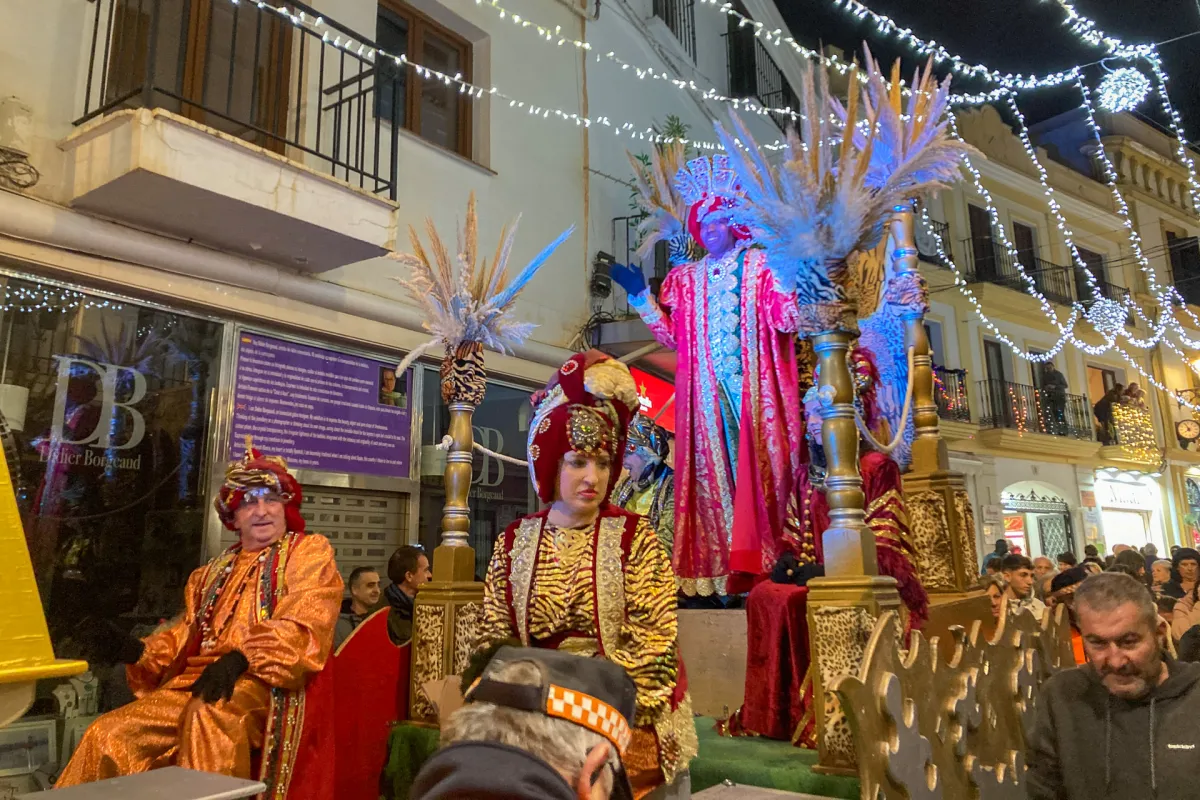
(409, 747)
(746, 760)
(766, 763)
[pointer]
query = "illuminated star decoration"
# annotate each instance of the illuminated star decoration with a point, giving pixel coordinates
(1123, 89)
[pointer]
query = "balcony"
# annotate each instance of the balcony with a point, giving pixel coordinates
(950, 394)
(752, 73)
(241, 126)
(928, 233)
(989, 262)
(680, 18)
(1019, 416)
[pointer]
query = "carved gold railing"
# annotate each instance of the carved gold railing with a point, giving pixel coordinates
(928, 730)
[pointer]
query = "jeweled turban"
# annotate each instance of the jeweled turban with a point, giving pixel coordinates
(251, 471)
(586, 407)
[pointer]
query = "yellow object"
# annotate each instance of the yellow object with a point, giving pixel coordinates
(25, 652)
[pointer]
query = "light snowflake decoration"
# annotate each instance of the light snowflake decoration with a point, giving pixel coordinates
(1123, 89)
(1107, 317)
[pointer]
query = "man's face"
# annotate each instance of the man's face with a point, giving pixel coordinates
(813, 422)
(366, 589)
(260, 519)
(421, 576)
(1063, 566)
(1189, 569)
(1042, 567)
(389, 381)
(1123, 648)
(1020, 581)
(715, 235)
(635, 462)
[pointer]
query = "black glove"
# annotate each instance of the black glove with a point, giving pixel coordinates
(630, 279)
(106, 642)
(217, 680)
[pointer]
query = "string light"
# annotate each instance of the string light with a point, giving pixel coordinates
(1123, 89)
(28, 299)
(941, 56)
(1176, 124)
(1135, 432)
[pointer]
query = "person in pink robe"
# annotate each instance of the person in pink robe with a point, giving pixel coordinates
(738, 429)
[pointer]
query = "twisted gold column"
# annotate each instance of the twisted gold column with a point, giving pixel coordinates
(845, 604)
(937, 497)
(448, 608)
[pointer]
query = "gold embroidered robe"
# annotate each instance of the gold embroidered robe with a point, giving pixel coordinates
(284, 650)
(603, 590)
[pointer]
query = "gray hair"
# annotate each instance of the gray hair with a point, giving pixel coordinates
(996, 580)
(1110, 590)
(561, 744)
(1163, 562)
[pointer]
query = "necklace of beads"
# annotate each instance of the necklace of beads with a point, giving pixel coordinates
(209, 636)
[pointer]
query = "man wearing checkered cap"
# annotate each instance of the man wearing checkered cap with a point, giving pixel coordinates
(540, 724)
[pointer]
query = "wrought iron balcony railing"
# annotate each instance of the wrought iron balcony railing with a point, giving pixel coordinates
(680, 17)
(988, 262)
(1028, 409)
(247, 70)
(950, 394)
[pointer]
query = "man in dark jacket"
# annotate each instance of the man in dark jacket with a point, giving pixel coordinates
(408, 570)
(1123, 725)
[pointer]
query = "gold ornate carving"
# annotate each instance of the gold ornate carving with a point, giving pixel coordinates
(428, 642)
(467, 620)
(954, 729)
(840, 636)
(932, 541)
(966, 527)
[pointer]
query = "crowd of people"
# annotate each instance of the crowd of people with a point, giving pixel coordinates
(1135, 628)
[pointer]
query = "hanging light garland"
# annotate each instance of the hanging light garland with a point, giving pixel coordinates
(1135, 432)
(1123, 89)
(28, 299)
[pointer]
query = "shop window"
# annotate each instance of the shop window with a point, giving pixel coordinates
(500, 492)
(108, 404)
(433, 110)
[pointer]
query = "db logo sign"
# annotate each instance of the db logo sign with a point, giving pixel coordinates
(132, 386)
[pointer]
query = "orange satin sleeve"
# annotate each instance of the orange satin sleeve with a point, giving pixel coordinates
(298, 637)
(166, 647)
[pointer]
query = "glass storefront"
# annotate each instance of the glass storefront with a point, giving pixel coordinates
(108, 407)
(500, 492)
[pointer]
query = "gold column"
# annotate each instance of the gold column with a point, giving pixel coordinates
(844, 605)
(447, 610)
(942, 520)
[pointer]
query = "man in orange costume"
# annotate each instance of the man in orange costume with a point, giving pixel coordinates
(224, 687)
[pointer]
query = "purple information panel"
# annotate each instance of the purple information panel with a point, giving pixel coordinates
(321, 409)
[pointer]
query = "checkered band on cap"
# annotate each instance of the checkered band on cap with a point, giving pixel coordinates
(593, 714)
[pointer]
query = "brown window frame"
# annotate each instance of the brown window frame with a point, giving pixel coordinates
(418, 24)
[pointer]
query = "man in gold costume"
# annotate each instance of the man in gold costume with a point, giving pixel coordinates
(224, 687)
(587, 577)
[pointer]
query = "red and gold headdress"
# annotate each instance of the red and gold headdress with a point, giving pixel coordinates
(865, 373)
(586, 407)
(251, 471)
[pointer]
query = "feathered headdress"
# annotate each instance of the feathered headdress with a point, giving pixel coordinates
(474, 302)
(833, 193)
(657, 196)
(912, 155)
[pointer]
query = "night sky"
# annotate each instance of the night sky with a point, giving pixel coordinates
(1021, 36)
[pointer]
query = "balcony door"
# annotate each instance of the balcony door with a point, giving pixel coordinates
(983, 250)
(1095, 265)
(995, 368)
(225, 65)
